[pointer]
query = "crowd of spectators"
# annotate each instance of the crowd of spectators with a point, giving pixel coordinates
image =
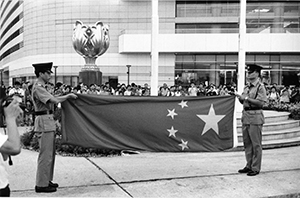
(287, 94)
(277, 94)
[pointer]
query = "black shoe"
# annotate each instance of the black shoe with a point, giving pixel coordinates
(47, 189)
(51, 184)
(253, 173)
(245, 170)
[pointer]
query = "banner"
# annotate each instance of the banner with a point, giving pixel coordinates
(160, 124)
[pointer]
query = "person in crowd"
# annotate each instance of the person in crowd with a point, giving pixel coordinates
(253, 98)
(106, 90)
(134, 91)
(224, 91)
(288, 89)
(172, 90)
(51, 89)
(285, 96)
(128, 91)
(67, 89)
(92, 89)
(28, 113)
(8, 90)
(75, 90)
(146, 90)
(17, 89)
(193, 90)
(164, 90)
(179, 91)
(9, 143)
(201, 90)
(273, 95)
(27, 93)
(109, 88)
(120, 90)
(211, 91)
(45, 127)
(83, 89)
(58, 89)
(139, 90)
(295, 96)
(2, 90)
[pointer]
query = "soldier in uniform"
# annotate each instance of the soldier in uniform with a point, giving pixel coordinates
(44, 126)
(253, 98)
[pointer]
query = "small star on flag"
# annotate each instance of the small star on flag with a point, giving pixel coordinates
(183, 104)
(172, 113)
(172, 132)
(211, 120)
(183, 144)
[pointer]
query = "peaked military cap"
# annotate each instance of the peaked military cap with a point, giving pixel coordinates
(253, 67)
(43, 67)
(17, 83)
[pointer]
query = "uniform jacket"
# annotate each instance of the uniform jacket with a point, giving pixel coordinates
(41, 101)
(257, 91)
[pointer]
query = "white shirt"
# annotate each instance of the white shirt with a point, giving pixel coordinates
(193, 91)
(3, 164)
(14, 90)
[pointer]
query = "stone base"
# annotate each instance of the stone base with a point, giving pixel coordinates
(90, 77)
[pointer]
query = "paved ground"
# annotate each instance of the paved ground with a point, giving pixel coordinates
(163, 175)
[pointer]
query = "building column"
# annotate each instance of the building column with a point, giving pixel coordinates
(214, 74)
(216, 11)
(276, 74)
(277, 26)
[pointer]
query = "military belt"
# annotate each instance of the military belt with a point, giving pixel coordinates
(252, 108)
(43, 112)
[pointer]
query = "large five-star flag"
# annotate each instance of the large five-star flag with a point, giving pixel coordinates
(166, 124)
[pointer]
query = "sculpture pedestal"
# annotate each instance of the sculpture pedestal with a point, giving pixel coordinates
(90, 77)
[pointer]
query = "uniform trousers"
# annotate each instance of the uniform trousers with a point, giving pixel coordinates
(252, 138)
(46, 158)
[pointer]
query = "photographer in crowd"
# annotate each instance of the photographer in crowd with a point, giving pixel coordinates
(9, 143)
(17, 90)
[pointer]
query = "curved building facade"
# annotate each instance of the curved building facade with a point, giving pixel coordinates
(198, 40)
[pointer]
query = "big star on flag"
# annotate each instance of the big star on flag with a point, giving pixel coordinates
(211, 120)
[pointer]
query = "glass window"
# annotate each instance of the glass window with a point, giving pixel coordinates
(74, 80)
(262, 16)
(67, 80)
(206, 8)
(279, 69)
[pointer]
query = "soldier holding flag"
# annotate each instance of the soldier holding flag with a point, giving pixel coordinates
(45, 127)
(253, 98)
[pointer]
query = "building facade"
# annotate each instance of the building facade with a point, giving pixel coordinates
(198, 40)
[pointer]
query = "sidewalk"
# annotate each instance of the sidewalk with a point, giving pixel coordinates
(163, 175)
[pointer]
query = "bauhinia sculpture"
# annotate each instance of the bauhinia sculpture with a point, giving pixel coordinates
(91, 42)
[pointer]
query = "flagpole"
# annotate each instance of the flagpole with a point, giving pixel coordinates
(154, 49)
(242, 51)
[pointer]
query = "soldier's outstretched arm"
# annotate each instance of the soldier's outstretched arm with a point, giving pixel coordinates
(60, 99)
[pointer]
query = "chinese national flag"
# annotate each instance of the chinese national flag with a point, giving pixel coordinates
(161, 124)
